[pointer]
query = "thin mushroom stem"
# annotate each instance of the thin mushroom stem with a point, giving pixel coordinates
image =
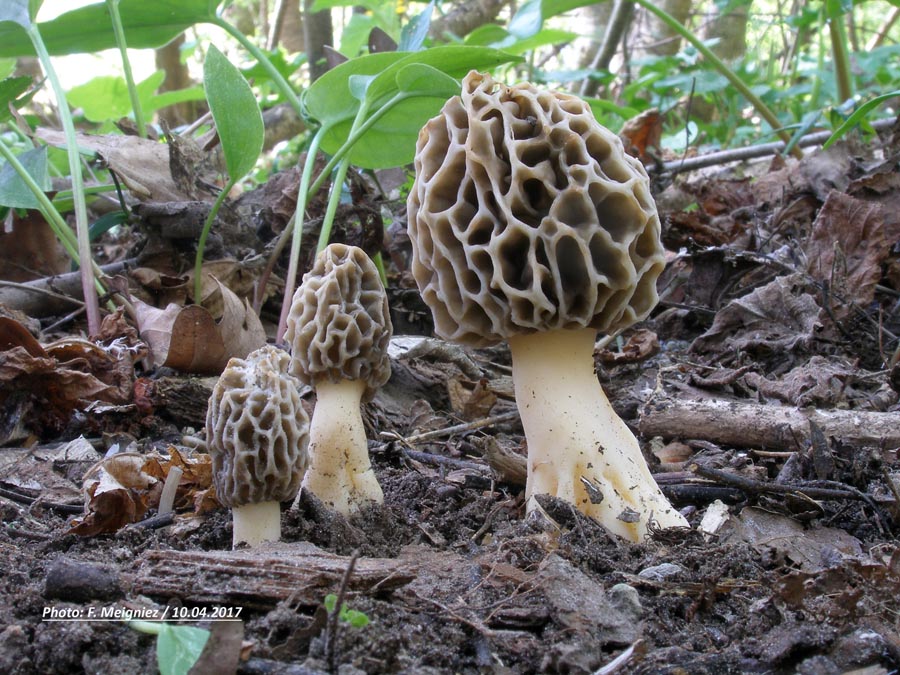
(340, 473)
(578, 448)
(255, 523)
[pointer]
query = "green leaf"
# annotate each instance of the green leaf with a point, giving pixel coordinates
(859, 116)
(17, 12)
(355, 618)
(88, 29)
(330, 602)
(530, 17)
(106, 97)
(13, 190)
(10, 91)
(391, 141)
(236, 113)
(413, 35)
(106, 222)
(426, 80)
(178, 648)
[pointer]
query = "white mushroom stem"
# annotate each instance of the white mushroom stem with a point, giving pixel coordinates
(339, 472)
(255, 523)
(574, 436)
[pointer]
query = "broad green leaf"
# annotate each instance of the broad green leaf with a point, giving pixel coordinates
(13, 191)
(859, 116)
(236, 113)
(355, 35)
(355, 618)
(106, 97)
(392, 140)
(178, 648)
(328, 100)
(602, 110)
(488, 34)
(88, 29)
(16, 12)
(10, 90)
(413, 35)
(422, 79)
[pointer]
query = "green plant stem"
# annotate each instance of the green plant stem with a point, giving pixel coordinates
(59, 226)
(283, 85)
(201, 244)
(148, 627)
(355, 134)
(720, 66)
(334, 199)
(303, 194)
(119, 30)
(841, 57)
(85, 259)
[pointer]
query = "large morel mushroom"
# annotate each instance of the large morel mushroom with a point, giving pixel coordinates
(530, 224)
(257, 433)
(338, 328)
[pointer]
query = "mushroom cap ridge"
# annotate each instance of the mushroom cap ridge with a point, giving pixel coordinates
(339, 324)
(527, 215)
(257, 430)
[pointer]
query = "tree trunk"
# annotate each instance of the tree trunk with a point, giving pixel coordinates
(464, 18)
(168, 60)
(730, 27)
(317, 34)
(652, 37)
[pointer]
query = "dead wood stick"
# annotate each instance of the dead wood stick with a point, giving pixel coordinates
(765, 426)
(754, 151)
(50, 295)
(756, 487)
(262, 577)
(456, 428)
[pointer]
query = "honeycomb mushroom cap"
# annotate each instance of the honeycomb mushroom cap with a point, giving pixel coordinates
(526, 215)
(339, 325)
(257, 430)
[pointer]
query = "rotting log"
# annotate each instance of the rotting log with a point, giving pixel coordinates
(765, 426)
(262, 577)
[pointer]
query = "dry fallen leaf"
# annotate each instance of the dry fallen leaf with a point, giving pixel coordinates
(471, 400)
(641, 344)
(846, 249)
(196, 477)
(143, 165)
(778, 317)
(117, 493)
(190, 340)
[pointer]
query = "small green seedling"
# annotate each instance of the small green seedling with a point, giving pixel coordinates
(177, 647)
(352, 617)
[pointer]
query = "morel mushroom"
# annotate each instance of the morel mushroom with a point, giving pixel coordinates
(530, 224)
(257, 433)
(338, 329)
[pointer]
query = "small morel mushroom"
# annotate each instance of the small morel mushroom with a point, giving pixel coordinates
(530, 224)
(257, 434)
(338, 329)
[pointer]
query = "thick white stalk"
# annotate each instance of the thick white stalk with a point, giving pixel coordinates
(574, 435)
(255, 523)
(339, 472)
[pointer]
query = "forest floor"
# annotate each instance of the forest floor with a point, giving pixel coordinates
(764, 389)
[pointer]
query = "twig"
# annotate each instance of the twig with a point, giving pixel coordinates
(69, 509)
(440, 460)
(333, 627)
(620, 661)
(753, 151)
(456, 428)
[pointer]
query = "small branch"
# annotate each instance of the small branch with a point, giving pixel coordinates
(753, 151)
(455, 429)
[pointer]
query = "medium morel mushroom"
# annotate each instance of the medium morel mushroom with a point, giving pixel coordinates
(338, 329)
(530, 224)
(257, 434)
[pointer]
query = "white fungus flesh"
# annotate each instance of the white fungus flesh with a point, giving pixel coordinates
(530, 224)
